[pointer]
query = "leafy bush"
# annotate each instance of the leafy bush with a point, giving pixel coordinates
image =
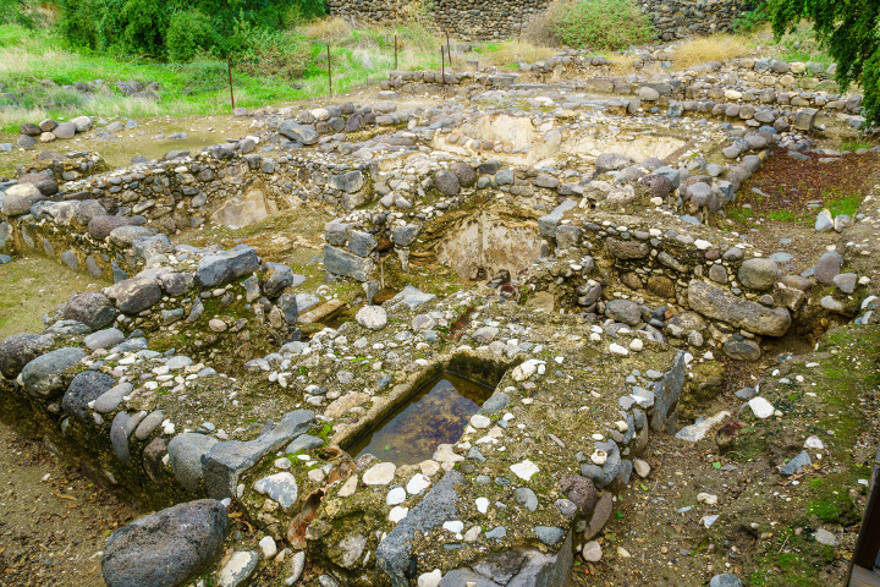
(146, 22)
(78, 22)
(179, 29)
(596, 24)
(281, 54)
(189, 32)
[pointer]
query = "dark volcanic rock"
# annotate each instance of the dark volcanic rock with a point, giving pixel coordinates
(18, 350)
(92, 308)
(169, 547)
(85, 387)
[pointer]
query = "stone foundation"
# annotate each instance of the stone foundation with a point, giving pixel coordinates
(491, 19)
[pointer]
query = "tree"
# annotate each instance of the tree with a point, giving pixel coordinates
(850, 30)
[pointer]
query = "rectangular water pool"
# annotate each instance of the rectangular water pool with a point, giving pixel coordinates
(436, 414)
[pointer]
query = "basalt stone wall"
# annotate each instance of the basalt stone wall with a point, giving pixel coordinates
(495, 19)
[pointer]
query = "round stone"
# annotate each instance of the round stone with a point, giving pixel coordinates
(380, 474)
(396, 496)
(758, 273)
(592, 551)
(372, 317)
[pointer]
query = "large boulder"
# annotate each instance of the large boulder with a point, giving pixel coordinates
(278, 278)
(18, 350)
(713, 302)
(447, 183)
(627, 249)
(220, 268)
(81, 123)
(19, 199)
(758, 273)
(167, 548)
(828, 266)
(611, 162)
(88, 209)
(185, 457)
(44, 376)
(340, 262)
(301, 133)
(85, 387)
(102, 225)
(349, 182)
(65, 130)
(125, 236)
(466, 175)
(625, 311)
(92, 308)
(135, 295)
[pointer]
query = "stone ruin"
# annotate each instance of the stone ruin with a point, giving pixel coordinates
(503, 19)
(579, 211)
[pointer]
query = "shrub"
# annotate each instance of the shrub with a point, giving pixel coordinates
(596, 24)
(189, 32)
(283, 54)
(78, 22)
(146, 22)
(179, 29)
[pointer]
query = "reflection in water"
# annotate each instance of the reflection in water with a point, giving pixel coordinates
(435, 415)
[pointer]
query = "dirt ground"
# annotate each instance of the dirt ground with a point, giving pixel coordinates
(32, 286)
(54, 521)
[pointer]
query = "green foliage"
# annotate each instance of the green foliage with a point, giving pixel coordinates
(749, 22)
(601, 24)
(78, 23)
(23, 12)
(279, 54)
(145, 25)
(849, 28)
(176, 30)
(189, 32)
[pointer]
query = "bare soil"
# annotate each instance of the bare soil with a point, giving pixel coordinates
(32, 286)
(55, 521)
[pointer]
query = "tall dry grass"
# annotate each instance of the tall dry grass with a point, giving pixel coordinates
(332, 28)
(512, 51)
(717, 47)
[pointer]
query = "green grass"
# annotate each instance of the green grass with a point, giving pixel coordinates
(785, 216)
(740, 215)
(846, 204)
(802, 45)
(35, 65)
(854, 145)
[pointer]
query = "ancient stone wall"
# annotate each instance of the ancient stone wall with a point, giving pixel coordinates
(492, 19)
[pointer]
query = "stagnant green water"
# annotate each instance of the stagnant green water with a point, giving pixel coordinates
(436, 414)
